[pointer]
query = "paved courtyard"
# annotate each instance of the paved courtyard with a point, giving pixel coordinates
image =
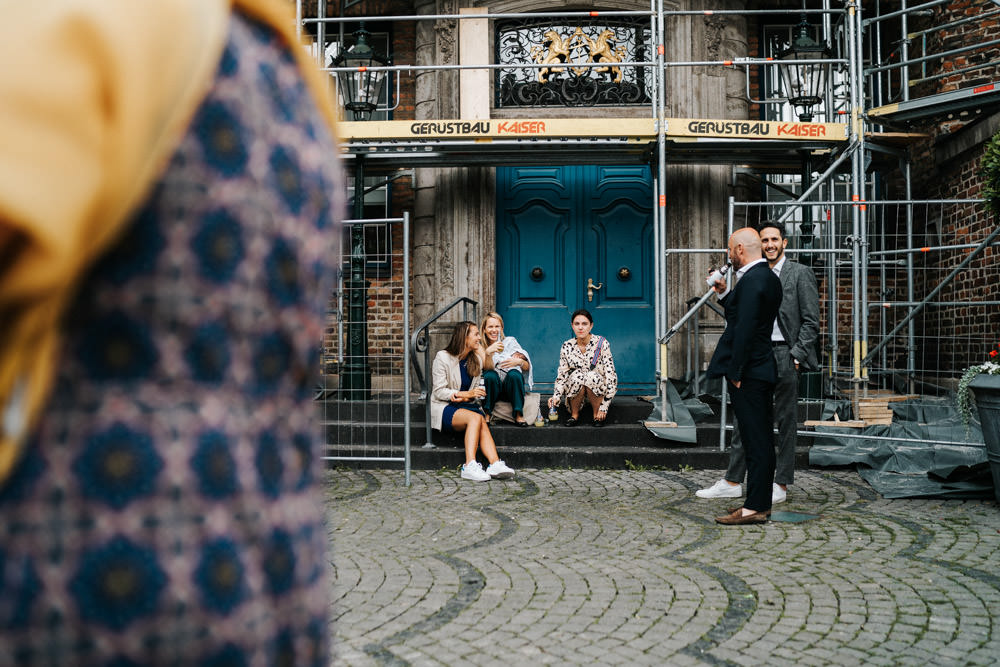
(587, 567)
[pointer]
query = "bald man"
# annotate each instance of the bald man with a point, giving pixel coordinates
(745, 360)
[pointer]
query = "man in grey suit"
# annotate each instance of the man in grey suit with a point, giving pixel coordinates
(794, 342)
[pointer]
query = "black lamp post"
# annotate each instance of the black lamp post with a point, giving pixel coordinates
(805, 82)
(360, 90)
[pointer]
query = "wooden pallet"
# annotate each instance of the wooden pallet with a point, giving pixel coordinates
(873, 407)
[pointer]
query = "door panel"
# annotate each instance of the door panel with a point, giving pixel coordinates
(559, 226)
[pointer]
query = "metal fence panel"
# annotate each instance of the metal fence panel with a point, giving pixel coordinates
(364, 397)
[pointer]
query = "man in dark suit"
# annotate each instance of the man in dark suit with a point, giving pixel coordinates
(744, 358)
(794, 341)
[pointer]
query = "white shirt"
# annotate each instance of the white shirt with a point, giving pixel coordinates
(776, 336)
(739, 274)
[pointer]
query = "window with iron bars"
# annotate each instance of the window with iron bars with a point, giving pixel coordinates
(565, 49)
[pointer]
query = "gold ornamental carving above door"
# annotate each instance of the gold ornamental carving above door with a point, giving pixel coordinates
(578, 48)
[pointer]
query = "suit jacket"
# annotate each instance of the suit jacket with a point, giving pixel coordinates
(798, 316)
(447, 379)
(745, 351)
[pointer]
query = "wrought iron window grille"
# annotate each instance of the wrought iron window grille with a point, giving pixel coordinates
(567, 49)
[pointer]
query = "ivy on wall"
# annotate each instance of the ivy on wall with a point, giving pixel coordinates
(990, 172)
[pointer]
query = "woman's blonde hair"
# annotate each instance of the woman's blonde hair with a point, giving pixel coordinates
(482, 327)
(456, 348)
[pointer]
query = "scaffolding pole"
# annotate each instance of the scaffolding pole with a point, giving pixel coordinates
(662, 301)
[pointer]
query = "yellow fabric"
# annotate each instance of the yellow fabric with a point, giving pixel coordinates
(94, 96)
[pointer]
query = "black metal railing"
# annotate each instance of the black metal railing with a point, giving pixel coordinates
(420, 344)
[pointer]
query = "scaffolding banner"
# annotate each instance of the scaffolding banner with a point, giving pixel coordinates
(635, 129)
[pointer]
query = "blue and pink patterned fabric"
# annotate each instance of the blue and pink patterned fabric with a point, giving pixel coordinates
(168, 508)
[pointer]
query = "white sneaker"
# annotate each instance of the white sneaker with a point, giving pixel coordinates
(474, 471)
(499, 470)
(778, 494)
(721, 489)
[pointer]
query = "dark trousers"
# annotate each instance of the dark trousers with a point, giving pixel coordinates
(786, 413)
(753, 405)
(511, 389)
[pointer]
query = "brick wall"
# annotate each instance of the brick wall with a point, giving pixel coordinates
(976, 327)
(960, 36)
(946, 166)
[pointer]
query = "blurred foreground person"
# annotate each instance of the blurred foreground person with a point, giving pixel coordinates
(168, 196)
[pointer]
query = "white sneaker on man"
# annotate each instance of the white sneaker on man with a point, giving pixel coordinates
(474, 471)
(778, 494)
(499, 470)
(721, 489)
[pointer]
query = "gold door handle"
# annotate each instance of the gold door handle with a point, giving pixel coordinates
(591, 287)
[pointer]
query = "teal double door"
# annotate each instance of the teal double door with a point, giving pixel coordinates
(578, 237)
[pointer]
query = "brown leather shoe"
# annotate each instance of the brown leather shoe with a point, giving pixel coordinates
(737, 519)
(737, 510)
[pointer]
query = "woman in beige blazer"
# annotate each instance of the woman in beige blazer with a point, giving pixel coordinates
(455, 402)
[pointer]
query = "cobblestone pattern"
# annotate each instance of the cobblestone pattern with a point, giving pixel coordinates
(628, 567)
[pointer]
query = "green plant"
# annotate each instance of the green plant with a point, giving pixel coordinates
(963, 396)
(990, 173)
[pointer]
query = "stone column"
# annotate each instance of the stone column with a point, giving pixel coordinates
(454, 246)
(424, 233)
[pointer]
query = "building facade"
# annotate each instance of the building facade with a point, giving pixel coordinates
(537, 190)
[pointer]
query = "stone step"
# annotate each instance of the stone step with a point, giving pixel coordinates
(623, 443)
(448, 456)
(388, 409)
(505, 435)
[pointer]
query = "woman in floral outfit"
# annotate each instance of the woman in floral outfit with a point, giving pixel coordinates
(586, 371)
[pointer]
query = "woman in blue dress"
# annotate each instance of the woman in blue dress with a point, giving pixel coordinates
(455, 402)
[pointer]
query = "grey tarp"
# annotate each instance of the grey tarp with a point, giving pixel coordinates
(911, 460)
(684, 412)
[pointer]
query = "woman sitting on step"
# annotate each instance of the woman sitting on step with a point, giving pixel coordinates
(455, 402)
(586, 371)
(507, 369)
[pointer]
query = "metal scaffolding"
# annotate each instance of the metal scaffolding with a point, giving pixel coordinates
(887, 291)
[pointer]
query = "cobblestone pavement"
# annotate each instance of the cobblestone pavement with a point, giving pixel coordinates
(628, 567)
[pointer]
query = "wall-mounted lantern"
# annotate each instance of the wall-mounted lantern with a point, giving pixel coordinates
(805, 82)
(361, 87)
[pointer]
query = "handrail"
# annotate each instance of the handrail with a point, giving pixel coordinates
(419, 342)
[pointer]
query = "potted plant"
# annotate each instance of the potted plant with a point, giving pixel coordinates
(982, 382)
(989, 172)
(964, 394)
